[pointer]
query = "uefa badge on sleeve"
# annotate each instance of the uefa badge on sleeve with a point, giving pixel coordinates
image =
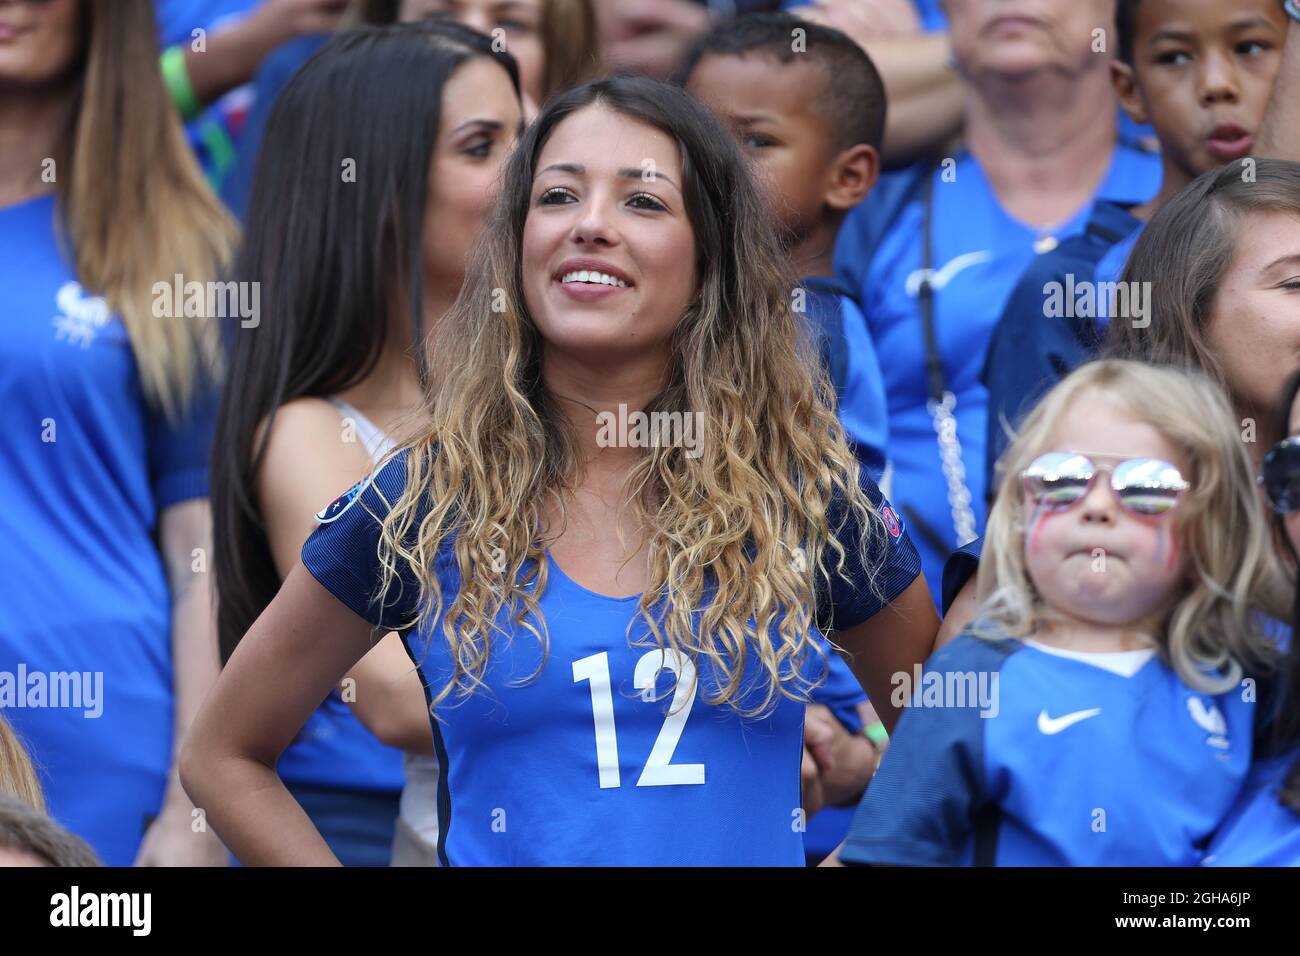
(891, 522)
(334, 510)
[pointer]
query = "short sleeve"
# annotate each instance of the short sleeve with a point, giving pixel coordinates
(179, 450)
(922, 807)
(843, 604)
(343, 552)
(960, 568)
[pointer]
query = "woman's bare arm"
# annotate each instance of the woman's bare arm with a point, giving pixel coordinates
(890, 642)
(300, 647)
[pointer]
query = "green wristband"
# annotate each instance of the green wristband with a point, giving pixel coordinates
(876, 733)
(177, 80)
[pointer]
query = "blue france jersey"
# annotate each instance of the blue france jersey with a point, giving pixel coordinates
(1014, 756)
(86, 468)
(576, 766)
(979, 252)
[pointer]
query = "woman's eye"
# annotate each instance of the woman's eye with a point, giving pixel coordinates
(758, 141)
(554, 196)
(1292, 285)
(480, 150)
(514, 26)
(646, 201)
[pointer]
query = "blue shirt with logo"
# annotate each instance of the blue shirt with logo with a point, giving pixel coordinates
(978, 253)
(604, 752)
(1011, 755)
(86, 468)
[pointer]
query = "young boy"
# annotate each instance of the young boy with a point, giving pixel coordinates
(806, 103)
(1201, 73)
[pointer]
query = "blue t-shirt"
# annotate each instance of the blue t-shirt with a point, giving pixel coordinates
(575, 766)
(979, 252)
(1260, 831)
(850, 358)
(1015, 756)
(86, 468)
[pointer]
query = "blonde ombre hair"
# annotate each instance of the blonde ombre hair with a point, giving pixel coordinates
(17, 776)
(1213, 629)
(737, 537)
(135, 205)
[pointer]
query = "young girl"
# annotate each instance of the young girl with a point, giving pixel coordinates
(108, 386)
(335, 363)
(1094, 714)
(616, 628)
(1263, 829)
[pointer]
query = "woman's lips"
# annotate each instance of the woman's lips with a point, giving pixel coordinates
(589, 291)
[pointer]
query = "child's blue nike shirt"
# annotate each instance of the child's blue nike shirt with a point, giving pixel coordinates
(565, 759)
(86, 469)
(1009, 754)
(978, 253)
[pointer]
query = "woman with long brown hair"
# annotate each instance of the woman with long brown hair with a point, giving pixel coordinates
(106, 639)
(627, 517)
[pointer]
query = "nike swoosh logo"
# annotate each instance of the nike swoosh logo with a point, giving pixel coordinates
(1054, 725)
(950, 270)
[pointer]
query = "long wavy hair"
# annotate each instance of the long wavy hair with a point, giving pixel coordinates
(1212, 635)
(738, 538)
(335, 260)
(135, 207)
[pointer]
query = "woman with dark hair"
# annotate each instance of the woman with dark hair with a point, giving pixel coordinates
(1264, 829)
(615, 613)
(366, 198)
(104, 623)
(1221, 261)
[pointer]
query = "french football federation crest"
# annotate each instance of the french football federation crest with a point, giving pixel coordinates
(334, 510)
(1210, 719)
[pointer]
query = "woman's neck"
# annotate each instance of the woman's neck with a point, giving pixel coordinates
(34, 126)
(1044, 142)
(596, 396)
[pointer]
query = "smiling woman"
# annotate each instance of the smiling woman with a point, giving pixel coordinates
(651, 619)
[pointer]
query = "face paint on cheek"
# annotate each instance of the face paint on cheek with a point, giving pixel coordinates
(1034, 531)
(1167, 535)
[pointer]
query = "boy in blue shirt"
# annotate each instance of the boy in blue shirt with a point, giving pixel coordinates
(809, 108)
(811, 115)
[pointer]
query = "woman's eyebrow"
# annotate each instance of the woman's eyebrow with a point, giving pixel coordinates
(480, 121)
(647, 174)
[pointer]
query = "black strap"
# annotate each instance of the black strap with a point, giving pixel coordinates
(934, 375)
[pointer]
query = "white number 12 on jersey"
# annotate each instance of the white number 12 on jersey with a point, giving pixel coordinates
(659, 769)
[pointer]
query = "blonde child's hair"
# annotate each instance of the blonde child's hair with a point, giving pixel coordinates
(1213, 631)
(17, 776)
